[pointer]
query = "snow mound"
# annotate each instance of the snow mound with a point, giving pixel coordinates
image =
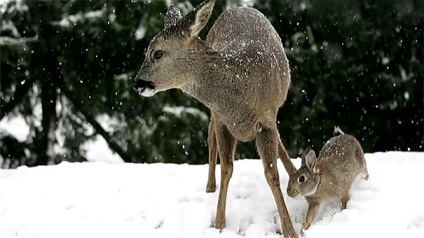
(168, 200)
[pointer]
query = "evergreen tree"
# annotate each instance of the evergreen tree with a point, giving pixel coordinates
(67, 69)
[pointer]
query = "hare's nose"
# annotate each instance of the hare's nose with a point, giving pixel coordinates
(291, 192)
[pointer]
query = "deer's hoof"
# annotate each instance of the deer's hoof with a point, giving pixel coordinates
(220, 225)
(210, 188)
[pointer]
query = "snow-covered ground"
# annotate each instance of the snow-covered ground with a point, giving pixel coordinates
(96, 199)
(97, 149)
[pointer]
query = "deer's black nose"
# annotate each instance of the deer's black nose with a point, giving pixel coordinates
(139, 84)
(135, 85)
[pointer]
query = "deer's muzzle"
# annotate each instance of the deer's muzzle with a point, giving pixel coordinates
(143, 87)
(142, 84)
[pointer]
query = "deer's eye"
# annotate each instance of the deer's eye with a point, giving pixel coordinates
(301, 179)
(156, 55)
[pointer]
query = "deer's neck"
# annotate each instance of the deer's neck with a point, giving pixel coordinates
(217, 82)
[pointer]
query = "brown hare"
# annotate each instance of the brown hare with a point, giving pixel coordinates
(330, 176)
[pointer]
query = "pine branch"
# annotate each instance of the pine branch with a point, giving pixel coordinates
(97, 127)
(9, 41)
(17, 97)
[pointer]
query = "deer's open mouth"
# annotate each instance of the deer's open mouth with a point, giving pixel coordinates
(144, 88)
(141, 90)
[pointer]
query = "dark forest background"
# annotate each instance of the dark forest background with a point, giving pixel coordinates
(67, 68)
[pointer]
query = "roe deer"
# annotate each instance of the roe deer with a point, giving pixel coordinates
(240, 73)
(213, 156)
(329, 177)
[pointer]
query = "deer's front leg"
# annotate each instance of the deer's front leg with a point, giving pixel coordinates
(266, 143)
(213, 153)
(226, 148)
(284, 156)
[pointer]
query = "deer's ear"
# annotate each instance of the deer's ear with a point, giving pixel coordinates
(197, 18)
(172, 16)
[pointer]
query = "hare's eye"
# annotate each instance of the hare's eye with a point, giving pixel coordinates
(301, 179)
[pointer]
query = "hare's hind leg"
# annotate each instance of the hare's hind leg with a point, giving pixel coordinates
(344, 201)
(364, 173)
(361, 160)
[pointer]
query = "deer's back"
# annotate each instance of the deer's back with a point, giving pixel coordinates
(246, 36)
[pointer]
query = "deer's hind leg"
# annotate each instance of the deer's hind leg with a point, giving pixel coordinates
(267, 143)
(226, 148)
(213, 154)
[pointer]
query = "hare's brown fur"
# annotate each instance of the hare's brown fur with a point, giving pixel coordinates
(330, 176)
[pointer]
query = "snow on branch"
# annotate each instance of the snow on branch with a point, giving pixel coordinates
(9, 41)
(71, 20)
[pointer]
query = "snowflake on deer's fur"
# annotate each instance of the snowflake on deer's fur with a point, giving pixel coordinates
(172, 16)
(240, 72)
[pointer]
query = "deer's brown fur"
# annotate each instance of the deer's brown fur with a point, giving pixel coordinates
(240, 73)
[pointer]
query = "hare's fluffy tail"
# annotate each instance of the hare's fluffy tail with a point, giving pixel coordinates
(337, 131)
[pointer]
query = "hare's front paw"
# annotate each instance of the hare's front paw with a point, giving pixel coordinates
(306, 225)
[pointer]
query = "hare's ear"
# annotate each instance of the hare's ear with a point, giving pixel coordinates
(309, 160)
(172, 16)
(197, 18)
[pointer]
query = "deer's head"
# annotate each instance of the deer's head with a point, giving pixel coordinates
(166, 63)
